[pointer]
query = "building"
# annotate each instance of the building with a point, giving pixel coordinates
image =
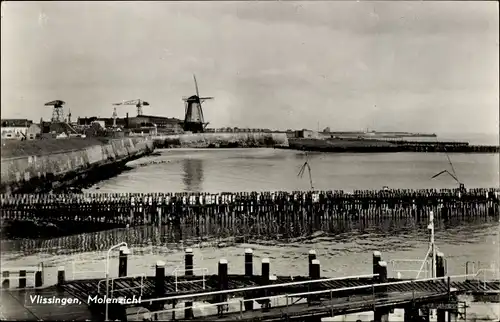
(33, 132)
(16, 129)
(147, 122)
(306, 134)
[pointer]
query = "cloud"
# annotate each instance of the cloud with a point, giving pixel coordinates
(269, 64)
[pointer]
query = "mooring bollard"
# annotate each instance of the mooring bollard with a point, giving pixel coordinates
(266, 270)
(312, 256)
(39, 278)
(377, 258)
(22, 278)
(122, 261)
(315, 275)
(6, 280)
(248, 262)
(440, 265)
(160, 279)
(382, 315)
(440, 272)
(188, 271)
(61, 275)
(222, 285)
(248, 273)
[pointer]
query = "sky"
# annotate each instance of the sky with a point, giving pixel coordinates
(349, 65)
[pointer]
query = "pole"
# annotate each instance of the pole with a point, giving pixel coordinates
(432, 244)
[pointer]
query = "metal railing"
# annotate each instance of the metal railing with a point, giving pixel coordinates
(255, 288)
(289, 297)
(176, 271)
(424, 267)
(112, 284)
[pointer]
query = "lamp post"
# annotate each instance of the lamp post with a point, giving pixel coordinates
(123, 246)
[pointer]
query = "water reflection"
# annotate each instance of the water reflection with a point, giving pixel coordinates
(387, 235)
(193, 174)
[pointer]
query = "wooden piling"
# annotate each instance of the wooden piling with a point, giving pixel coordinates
(377, 258)
(315, 275)
(39, 278)
(266, 270)
(223, 284)
(122, 261)
(188, 271)
(440, 272)
(22, 278)
(311, 257)
(249, 274)
(381, 315)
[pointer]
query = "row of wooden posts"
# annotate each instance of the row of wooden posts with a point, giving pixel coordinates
(398, 195)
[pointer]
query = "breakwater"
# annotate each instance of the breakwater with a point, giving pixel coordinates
(381, 146)
(221, 140)
(270, 213)
(44, 165)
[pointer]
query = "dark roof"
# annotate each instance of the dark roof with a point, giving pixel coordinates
(16, 122)
(160, 118)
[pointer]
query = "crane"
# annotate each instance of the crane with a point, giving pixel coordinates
(57, 111)
(138, 103)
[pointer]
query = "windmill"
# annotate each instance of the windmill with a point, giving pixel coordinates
(193, 113)
(138, 103)
(57, 111)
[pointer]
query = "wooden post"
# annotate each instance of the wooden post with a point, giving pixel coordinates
(315, 275)
(39, 278)
(222, 285)
(61, 275)
(122, 261)
(249, 274)
(312, 256)
(188, 271)
(266, 269)
(160, 283)
(440, 272)
(6, 281)
(22, 278)
(377, 257)
(248, 262)
(381, 315)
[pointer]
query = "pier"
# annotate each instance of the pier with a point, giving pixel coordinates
(260, 213)
(192, 294)
(385, 146)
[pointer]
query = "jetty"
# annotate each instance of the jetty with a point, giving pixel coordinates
(385, 146)
(260, 213)
(193, 294)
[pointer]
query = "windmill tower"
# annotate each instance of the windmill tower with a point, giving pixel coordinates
(57, 111)
(193, 113)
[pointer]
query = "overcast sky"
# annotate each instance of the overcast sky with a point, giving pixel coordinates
(412, 65)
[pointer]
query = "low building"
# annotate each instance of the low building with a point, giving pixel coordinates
(33, 132)
(306, 134)
(15, 129)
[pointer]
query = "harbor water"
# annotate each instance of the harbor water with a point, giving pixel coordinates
(343, 252)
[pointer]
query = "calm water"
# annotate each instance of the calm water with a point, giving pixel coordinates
(341, 253)
(269, 169)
